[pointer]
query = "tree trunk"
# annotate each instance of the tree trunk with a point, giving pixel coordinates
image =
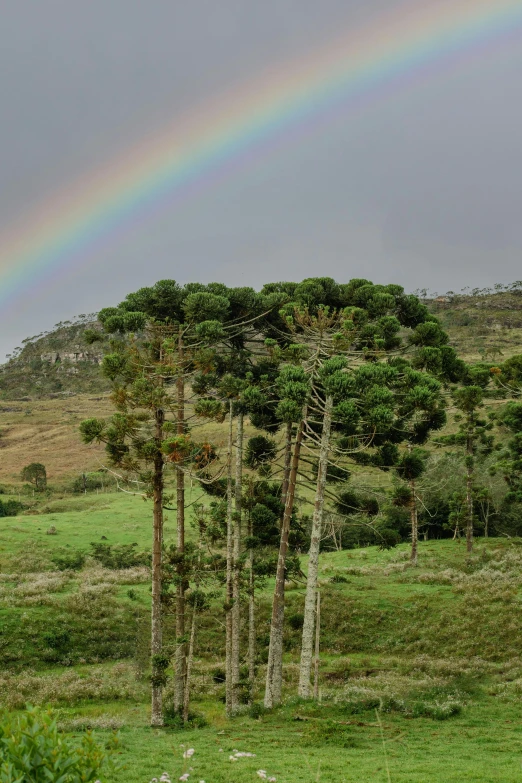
(469, 487)
(229, 687)
(469, 509)
(251, 620)
(414, 556)
(286, 468)
(236, 608)
(190, 658)
(180, 655)
(274, 671)
(313, 556)
(156, 718)
(317, 643)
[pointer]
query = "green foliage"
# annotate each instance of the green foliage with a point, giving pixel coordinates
(31, 749)
(412, 465)
(69, 561)
(119, 555)
(259, 451)
(10, 508)
(35, 474)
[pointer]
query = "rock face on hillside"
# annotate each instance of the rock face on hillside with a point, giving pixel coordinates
(77, 356)
(54, 363)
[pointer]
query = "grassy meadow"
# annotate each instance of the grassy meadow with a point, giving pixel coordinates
(420, 668)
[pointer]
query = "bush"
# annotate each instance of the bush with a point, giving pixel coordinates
(88, 482)
(121, 556)
(69, 561)
(174, 720)
(31, 749)
(295, 621)
(10, 508)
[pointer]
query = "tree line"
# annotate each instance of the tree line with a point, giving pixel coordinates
(331, 375)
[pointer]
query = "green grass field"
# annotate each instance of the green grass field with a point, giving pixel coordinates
(420, 668)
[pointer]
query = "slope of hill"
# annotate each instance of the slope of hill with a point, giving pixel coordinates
(484, 327)
(56, 363)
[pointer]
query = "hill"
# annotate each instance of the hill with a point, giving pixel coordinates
(56, 364)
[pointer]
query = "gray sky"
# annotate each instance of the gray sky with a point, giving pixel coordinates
(423, 187)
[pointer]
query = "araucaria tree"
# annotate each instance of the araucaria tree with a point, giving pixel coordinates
(142, 394)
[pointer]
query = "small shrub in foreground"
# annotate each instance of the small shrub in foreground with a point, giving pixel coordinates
(32, 749)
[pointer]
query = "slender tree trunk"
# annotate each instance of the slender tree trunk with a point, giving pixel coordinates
(313, 556)
(469, 487)
(274, 672)
(190, 658)
(229, 685)
(181, 647)
(414, 556)
(286, 468)
(236, 608)
(414, 520)
(157, 544)
(251, 620)
(317, 643)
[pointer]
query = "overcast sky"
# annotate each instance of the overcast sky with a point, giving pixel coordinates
(423, 187)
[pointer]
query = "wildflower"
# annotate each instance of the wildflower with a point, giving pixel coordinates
(220, 750)
(271, 780)
(189, 753)
(261, 773)
(232, 758)
(184, 777)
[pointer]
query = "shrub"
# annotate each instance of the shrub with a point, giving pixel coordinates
(10, 508)
(296, 621)
(69, 561)
(174, 720)
(32, 749)
(120, 556)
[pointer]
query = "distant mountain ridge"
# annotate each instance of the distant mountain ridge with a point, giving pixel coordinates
(483, 325)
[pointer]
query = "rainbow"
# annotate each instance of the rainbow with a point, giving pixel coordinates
(213, 140)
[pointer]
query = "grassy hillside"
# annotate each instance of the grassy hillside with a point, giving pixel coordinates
(482, 327)
(435, 650)
(54, 364)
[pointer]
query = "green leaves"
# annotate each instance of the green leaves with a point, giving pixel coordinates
(259, 451)
(92, 430)
(412, 465)
(204, 306)
(32, 749)
(468, 398)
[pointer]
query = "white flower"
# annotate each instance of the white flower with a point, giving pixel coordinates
(220, 750)
(271, 780)
(261, 773)
(184, 777)
(189, 753)
(232, 758)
